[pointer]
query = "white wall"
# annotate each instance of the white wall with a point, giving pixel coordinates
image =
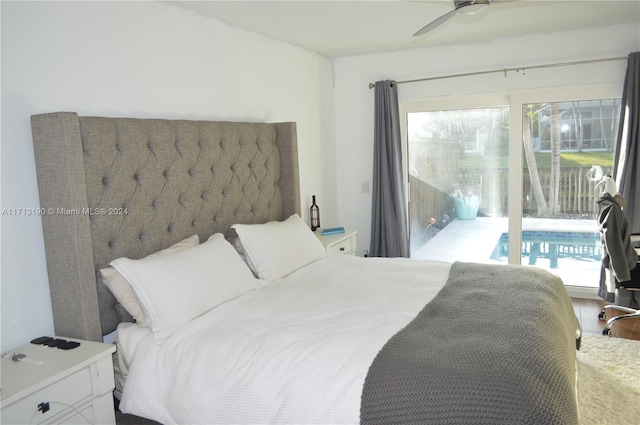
(139, 59)
(354, 101)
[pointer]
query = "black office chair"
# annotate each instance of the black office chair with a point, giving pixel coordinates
(622, 322)
(623, 317)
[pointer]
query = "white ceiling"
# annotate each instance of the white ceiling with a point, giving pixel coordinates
(338, 28)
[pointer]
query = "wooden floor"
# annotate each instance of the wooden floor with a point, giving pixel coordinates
(587, 312)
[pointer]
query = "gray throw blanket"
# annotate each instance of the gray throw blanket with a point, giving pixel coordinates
(497, 345)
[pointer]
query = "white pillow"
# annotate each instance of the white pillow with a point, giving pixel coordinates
(173, 289)
(121, 288)
(275, 249)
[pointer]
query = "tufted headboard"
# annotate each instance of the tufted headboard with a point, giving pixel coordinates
(126, 187)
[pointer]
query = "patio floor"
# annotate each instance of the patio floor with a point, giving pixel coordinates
(475, 241)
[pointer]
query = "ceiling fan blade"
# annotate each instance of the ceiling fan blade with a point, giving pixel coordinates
(435, 23)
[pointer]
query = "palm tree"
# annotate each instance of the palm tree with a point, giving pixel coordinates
(556, 144)
(577, 119)
(527, 140)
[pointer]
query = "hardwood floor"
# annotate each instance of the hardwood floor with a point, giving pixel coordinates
(587, 311)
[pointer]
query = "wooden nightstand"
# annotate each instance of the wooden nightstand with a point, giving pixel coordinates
(339, 244)
(56, 386)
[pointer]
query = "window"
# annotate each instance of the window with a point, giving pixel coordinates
(587, 125)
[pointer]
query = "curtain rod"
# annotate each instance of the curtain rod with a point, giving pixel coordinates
(505, 70)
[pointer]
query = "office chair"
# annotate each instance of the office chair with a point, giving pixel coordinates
(622, 321)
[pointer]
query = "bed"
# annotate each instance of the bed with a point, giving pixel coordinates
(232, 312)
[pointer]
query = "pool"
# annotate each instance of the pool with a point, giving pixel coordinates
(556, 247)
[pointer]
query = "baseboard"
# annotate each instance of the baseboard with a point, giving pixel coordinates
(583, 292)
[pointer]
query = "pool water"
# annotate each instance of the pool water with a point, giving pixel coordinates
(560, 249)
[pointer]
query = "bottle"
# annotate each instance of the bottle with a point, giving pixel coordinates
(314, 214)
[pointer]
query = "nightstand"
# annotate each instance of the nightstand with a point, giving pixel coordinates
(339, 244)
(56, 386)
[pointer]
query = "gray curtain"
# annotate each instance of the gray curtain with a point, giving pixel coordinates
(389, 235)
(627, 153)
(625, 169)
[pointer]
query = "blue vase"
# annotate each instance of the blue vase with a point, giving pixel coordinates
(467, 206)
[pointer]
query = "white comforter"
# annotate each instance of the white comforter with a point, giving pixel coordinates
(296, 351)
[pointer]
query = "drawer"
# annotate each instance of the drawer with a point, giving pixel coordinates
(79, 417)
(60, 395)
(340, 248)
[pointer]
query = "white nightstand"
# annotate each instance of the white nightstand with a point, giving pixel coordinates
(339, 244)
(56, 386)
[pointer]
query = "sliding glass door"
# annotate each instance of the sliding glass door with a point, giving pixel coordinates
(511, 180)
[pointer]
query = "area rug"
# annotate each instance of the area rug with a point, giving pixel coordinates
(608, 381)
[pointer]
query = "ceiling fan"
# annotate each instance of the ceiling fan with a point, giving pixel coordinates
(468, 7)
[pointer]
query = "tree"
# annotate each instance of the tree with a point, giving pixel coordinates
(577, 119)
(527, 140)
(556, 144)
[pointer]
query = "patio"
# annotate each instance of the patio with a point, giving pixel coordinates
(477, 241)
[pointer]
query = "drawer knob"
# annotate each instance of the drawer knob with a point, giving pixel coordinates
(341, 248)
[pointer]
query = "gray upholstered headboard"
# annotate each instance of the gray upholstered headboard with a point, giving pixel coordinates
(114, 187)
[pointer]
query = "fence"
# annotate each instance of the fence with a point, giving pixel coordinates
(428, 200)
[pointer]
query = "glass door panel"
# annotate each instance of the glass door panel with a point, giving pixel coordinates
(457, 166)
(568, 147)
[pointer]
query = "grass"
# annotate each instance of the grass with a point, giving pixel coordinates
(567, 159)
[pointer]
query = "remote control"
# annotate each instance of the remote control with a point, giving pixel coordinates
(68, 345)
(54, 342)
(41, 340)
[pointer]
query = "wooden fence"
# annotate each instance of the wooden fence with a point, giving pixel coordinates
(430, 198)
